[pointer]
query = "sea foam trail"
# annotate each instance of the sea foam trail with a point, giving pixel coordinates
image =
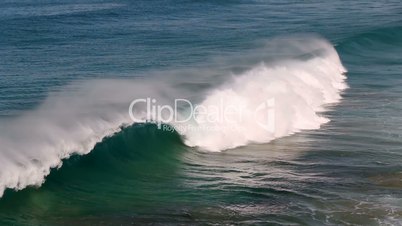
(301, 76)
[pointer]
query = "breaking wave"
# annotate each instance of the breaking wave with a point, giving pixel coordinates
(298, 77)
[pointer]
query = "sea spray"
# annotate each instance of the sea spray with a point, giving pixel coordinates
(299, 88)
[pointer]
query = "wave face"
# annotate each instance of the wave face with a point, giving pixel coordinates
(302, 76)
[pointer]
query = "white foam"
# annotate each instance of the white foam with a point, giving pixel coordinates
(299, 89)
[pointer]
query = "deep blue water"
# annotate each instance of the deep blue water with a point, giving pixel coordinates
(348, 172)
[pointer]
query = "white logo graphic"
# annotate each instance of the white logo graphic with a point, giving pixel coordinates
(150, 110)
(265, 115)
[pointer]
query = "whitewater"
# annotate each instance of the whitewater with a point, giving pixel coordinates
(303, 79)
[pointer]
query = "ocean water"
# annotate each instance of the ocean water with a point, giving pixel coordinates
(71, 155)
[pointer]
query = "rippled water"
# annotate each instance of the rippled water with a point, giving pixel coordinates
(347, 172)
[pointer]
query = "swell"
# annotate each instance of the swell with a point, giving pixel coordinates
(376, 43)
(301, 75)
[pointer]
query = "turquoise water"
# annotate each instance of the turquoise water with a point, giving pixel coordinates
(68, 69)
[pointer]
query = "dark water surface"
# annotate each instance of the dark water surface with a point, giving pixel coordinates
(349, 172)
